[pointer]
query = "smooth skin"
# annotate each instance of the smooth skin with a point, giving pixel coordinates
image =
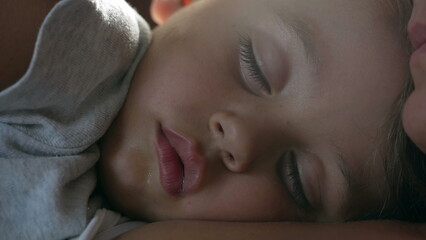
(16, 46)
(319, 106)
(222, 230)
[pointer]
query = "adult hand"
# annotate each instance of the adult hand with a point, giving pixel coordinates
(414, 115)
(161, 10)
(205, 230)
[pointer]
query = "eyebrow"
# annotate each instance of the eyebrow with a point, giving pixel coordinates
(398, 12)
(349, 180)
(304, 34)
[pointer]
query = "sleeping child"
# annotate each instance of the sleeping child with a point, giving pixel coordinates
(242, 110)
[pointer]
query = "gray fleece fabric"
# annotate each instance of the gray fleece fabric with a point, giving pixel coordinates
(52, 118)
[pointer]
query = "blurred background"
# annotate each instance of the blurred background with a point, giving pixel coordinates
(143, 7)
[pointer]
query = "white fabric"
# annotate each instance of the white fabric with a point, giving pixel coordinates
(106, 225)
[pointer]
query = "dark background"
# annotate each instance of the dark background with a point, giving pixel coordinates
(143, 8)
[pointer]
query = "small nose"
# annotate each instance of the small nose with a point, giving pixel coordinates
(234, 139)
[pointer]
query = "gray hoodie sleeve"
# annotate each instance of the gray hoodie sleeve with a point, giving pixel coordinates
(50, 120)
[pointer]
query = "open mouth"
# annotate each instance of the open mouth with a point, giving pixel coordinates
(181, 165)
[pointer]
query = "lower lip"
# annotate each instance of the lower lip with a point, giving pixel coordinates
(418, 53)
(192, 160)
(171, 167)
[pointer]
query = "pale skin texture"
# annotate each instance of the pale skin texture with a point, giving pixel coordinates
(217, 230)
(17, 43)
(414, 114)
(190, 81)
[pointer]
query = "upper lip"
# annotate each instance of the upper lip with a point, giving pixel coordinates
(417, 34)
(192, 163)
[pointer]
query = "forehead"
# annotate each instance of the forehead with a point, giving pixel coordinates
(394, 12)
(319, 16)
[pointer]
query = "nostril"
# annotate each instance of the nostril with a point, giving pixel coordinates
(228, 157)
(219, 129)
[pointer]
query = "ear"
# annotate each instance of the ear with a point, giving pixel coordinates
(161, 10)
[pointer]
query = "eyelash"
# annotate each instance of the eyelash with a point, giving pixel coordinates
(291, 171)
(294, 183)
(248, 57)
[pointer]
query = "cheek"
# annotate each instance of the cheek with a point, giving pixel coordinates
(175, 82)
(242, 200)
(414, 118)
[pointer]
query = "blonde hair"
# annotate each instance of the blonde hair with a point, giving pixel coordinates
(405, 164)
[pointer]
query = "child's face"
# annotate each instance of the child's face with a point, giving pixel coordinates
(304, 145)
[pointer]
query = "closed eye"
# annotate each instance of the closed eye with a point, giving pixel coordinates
(252, 73)
(290, 176)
